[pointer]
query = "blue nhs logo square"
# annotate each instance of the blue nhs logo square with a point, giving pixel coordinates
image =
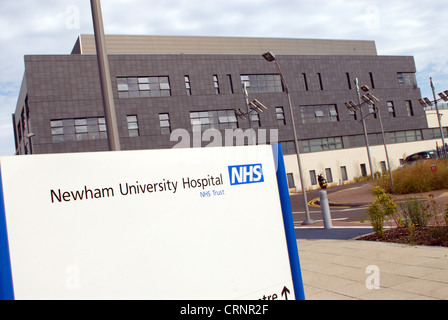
(245, 174)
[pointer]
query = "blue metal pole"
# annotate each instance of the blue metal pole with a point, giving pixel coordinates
(288, 223)
(6, 284)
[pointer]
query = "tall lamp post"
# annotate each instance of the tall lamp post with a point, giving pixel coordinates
(106, 83)
(370, 99)
(365, 89)
(269, 56)
(425, 102)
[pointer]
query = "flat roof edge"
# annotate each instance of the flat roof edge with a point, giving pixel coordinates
(141, 44)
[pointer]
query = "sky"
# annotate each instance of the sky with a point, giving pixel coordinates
(399, 27)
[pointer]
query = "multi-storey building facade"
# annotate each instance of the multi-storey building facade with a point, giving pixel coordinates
(163, 84)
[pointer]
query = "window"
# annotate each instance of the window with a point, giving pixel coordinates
(383, 166)
(187, 85)
(255, 120)
(133, 126)
(329, 175)
(349, 81)
(280, 113)
(305, 82)
(372, 82)
(291, 184)
(360, 141)
(222, 119)
(372, 110)
(288, 147)
(434, 133)
(405, 136)
(143, 87)
(363, 169)
(57, 131)
(319, 80)
(409, 108)
(313, 177)
(323, 144)
(407, 79)
(344, 173)
(216, 84)
(375, 139)
(319, 114)
(259, 83)
(229, 80)
(78, 129)
(352, 113)
(165, 124)
(391, 109)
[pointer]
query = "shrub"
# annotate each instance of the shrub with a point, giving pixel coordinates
(376, 217)
(415, 213)
(417, 178)
(383, 207)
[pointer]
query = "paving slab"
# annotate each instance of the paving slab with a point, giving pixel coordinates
(338, 270)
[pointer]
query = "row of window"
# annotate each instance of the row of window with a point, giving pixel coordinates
(319, 114)
(159, 86)
(143, 87)
(329, 113)
(95, 129)
(78, 129)
(223, 119)
(357, 141)
(328, 176)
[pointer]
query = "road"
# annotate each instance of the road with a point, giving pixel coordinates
(337, 213)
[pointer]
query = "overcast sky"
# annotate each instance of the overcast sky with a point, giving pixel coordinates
(399, 27)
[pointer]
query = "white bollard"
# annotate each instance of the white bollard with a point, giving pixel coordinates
(325, 209)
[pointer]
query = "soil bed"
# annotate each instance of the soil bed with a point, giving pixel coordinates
(427, 236)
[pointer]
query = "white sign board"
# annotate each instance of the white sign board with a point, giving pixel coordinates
(165, 224)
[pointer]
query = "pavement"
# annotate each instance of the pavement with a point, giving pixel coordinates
(336, 266)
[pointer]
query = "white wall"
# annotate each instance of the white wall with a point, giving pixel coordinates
(352, 160)
(431, 117)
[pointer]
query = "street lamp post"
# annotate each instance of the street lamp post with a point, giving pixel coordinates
(269, 56)
(425, 102)
(371, 100)
(365, 130)
(106, 83)
(385, 149)
(438, 115)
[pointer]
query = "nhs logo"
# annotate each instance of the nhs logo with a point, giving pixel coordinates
(245, 174)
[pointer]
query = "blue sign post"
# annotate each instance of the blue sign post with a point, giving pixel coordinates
(289, 223)
(6, 285)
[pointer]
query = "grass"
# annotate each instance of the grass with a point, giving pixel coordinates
(417, 178)
(413, 218)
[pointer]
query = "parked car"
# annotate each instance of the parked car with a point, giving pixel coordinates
(419, 156)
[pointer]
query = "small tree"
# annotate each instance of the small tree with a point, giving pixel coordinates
(383, 207)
